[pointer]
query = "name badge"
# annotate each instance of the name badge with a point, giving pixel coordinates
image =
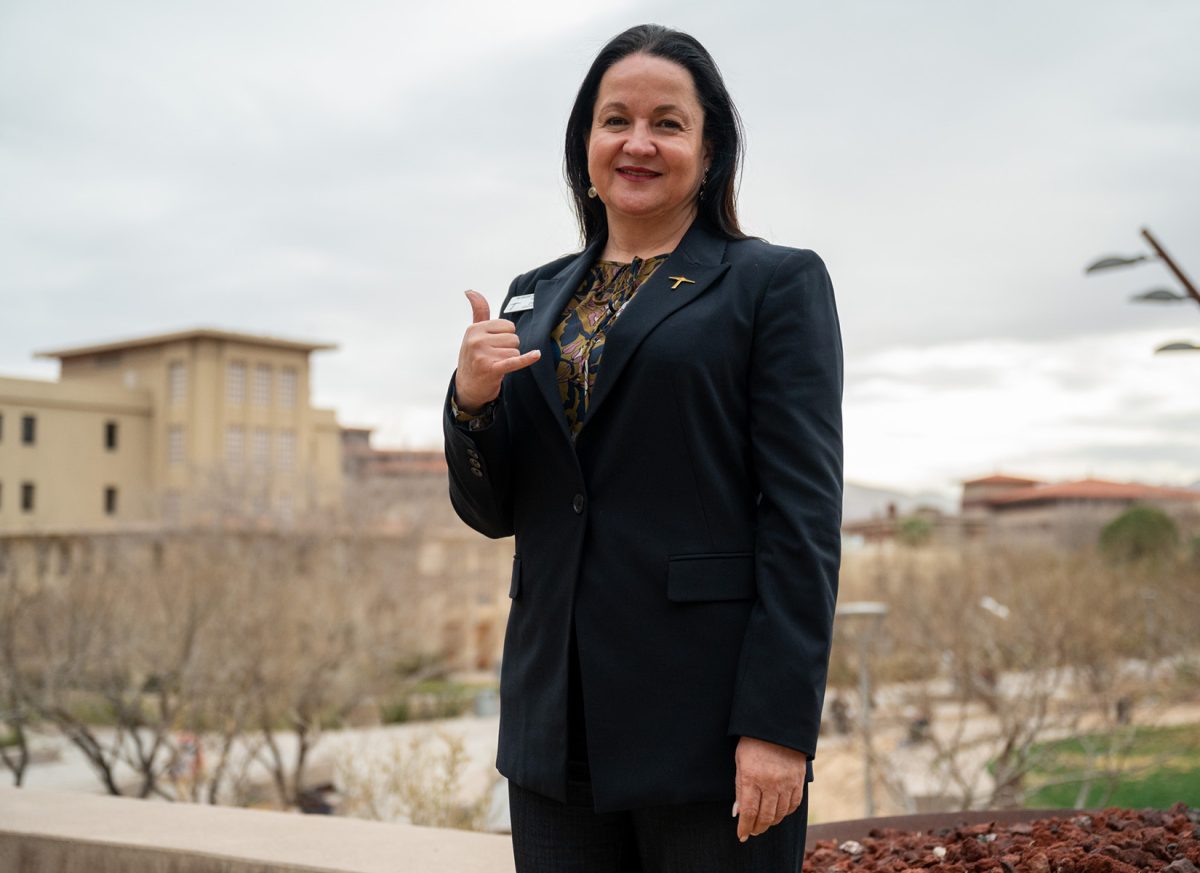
(519, 303)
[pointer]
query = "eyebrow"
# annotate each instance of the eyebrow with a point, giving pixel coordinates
(666, 107)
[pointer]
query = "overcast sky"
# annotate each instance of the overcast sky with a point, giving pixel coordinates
(342, 171)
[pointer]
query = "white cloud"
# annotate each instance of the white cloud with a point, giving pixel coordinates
(1045, 408)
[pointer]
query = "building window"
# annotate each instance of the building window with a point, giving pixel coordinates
(27, 496)
(172, 507)
(1, 505)
(262, 385)
(110, 500)
(175, 444)
(110, 435)
(176, 383)
(285, 455)
(28, 429)
(235, 444)
(287, 387)
(235, 385)
(1, 427)
(286, 508)
(260, 448)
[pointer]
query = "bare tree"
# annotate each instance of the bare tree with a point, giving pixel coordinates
(995, 651)
(206, 661)
(14, 711)
(109, 648)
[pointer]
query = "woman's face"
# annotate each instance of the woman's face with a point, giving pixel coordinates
(646, 151)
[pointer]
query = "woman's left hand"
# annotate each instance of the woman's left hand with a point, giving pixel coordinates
(769, 784)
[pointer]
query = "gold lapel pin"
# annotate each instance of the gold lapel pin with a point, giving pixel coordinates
(679, 280)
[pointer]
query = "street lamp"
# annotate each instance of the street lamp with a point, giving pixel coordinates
(868, 614)
(1156, 295)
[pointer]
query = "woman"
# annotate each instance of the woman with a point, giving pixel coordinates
(658, 421)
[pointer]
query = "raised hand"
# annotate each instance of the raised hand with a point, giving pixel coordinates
(769, 783)
(490, 350)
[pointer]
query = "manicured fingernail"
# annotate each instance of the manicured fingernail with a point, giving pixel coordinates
(734, 811)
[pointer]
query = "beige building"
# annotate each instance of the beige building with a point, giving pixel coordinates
(1068, 514)
(460, 579)
(199, 425)
(1023, 512)
(142, 447)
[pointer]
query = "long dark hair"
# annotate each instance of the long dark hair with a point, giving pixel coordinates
(722, 128)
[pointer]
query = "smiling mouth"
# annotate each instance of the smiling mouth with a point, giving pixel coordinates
(638, 173)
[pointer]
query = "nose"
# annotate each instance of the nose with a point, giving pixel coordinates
(639, 142)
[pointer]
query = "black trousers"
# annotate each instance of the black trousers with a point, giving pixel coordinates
(553, 837)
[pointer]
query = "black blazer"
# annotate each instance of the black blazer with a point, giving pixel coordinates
(693, 527)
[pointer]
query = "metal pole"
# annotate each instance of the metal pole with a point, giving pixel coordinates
(864, 691)
(871, 615)
(1179, 274)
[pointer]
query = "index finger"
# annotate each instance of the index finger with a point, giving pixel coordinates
(748, 799)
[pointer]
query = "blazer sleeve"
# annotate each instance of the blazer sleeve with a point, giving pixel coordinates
(480, 465)
(795, 389)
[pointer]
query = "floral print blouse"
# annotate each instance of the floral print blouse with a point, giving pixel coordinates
(579, 337)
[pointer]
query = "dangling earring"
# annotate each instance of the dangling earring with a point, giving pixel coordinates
(591, 192)
(703, 182)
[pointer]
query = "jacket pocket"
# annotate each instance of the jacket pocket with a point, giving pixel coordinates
(514, 586)
(726, 576)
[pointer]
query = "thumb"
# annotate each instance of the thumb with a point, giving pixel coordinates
(480, 311)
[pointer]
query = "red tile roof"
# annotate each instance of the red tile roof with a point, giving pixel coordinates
(999, 479)
(1094, 489)
(392, 462)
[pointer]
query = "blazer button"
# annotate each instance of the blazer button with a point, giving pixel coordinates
(577, 504)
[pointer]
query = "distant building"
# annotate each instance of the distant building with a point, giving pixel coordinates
(196, 425)
(396, 489)
(402, 495)
(1068, 514)
(1029, 512)
(143, 447)
(977, 494)
(921, 524)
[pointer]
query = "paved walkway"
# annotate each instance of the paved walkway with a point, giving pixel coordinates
(836, 794)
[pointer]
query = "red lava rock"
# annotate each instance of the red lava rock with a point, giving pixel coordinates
(972, 850)
(1110, 841)
(1183, 865)
(1102, 864)
(1037, 862)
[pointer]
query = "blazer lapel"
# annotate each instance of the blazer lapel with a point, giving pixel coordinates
(697, 258)
(550, 296)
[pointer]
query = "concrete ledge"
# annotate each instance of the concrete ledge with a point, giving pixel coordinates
(61, 832)
(58, 832)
